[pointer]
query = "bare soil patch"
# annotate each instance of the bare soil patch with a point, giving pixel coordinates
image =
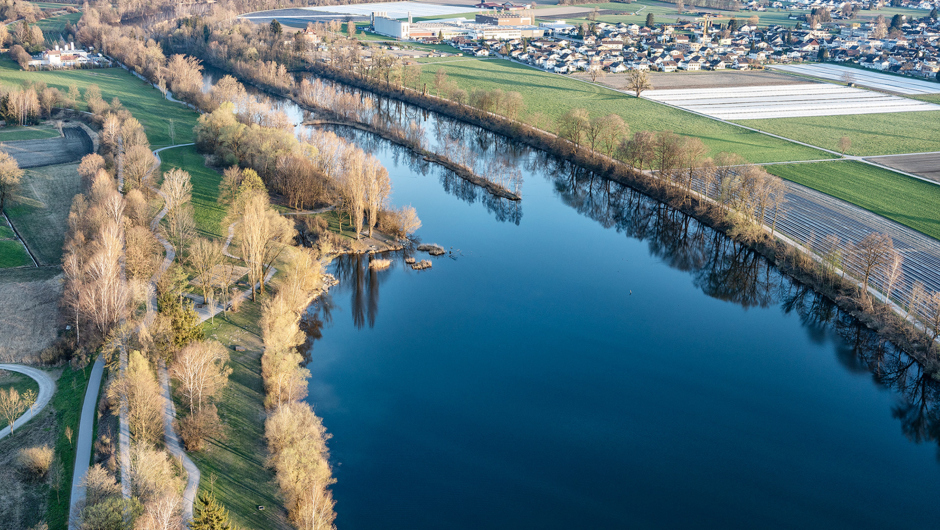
(29, 313)
(720, 79)
(925, 165)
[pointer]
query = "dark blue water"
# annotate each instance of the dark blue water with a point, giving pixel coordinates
(590, 359)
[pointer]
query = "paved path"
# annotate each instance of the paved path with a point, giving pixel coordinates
(84, 441)
(169, 412)
(46, 389)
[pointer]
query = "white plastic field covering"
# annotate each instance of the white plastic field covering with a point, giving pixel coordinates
(785, 101)
(394, 9)
(866, 78)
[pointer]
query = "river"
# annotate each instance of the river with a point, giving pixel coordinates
(589, 358)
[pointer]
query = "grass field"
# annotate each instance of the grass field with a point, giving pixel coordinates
(209, 213)
(933, 98)
(142, 100)
(909, 201)
(871, 134)
(5, 231)
(552, 95)
(67, 403)
(52, 26)
(21, 383)
(12, 252)
(40, 209)
(36, 132)
(242, 482)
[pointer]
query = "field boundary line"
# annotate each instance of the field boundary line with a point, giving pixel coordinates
(21, 240)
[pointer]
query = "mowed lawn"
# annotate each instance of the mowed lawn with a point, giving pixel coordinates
(236, 463)
(909, 201)
(40, 209)
(52, 26)
(871, 134)
(552, 95)
(142, 100)
(209, 213)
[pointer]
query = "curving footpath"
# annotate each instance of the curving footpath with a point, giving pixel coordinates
(46, 389)
(170, 436)
(83, 442)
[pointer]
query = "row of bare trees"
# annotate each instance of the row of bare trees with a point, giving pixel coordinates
(296, 436)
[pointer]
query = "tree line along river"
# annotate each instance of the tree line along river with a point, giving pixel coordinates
(589, 358)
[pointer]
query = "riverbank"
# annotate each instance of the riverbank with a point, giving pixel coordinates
(885, 319)
(460, 170)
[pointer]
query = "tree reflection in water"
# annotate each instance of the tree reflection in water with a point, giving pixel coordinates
(719, 267)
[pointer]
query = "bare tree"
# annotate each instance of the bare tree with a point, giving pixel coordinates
(574, 124)
(201, 371)
(12, 405)
(89, 167)
(639, 82)
(177, 187)
(145, 403)
(845, 143)
(181, 226)
(378, 188)
(205, 256)
(870, 256)
(894, 274)
(10, 176)
(262, 234)
(138, 162)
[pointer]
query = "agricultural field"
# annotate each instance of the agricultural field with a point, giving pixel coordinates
(52, 26)
(70, 147)
(903, 199)
(866, 78)
(550, 96)
(40, 209)
(209, 213)
(870, 134)
(932, 98)
(923, 165)
(786, 101)
(142, 100)
(29, 132)
(700, 79)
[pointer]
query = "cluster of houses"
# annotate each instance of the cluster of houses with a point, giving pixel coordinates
(913, 50)
(68, 56)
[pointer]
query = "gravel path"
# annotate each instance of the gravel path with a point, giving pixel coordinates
(170, 437)
(46, 389)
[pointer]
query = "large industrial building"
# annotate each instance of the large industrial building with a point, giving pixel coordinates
(501, 26)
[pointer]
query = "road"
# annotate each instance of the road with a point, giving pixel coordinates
(84, 440)
(46, 390)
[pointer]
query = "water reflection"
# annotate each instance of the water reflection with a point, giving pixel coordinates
(719, 267)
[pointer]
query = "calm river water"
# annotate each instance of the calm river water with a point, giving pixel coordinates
(588, 358)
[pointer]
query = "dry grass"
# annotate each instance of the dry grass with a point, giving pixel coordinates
(23, 499)
(29, 314)
(380, 264)
(40, 209)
